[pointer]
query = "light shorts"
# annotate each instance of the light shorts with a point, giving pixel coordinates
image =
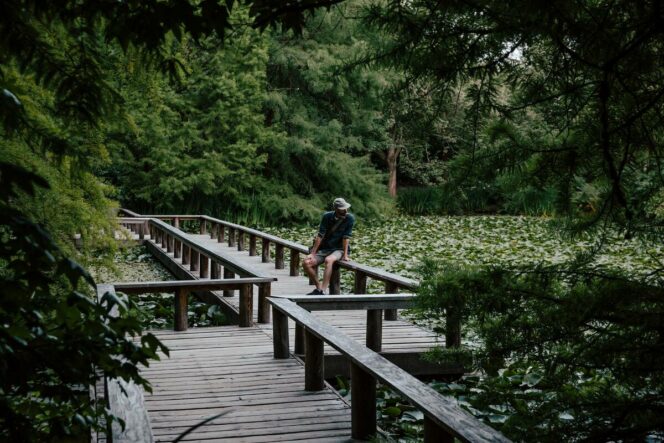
(320, 256)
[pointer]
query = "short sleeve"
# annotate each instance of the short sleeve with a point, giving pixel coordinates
(348, 228)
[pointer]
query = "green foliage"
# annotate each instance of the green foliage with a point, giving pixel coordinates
(53, 335)
(572, 351)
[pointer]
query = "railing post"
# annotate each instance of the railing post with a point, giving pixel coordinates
(215, 270)
(299, 339)
(213, 231)
(252, 245)
(280, 333)
(360, 283)
(246, 305)
(363, 403)
(264, 291)
(176, 222)
(181, 309)
(335, 280)
(453, 328)
(203, 226)
(220, 233)
(374, 329)
(278, 256)
(434, 433)
(204, 267)
(391, 288)
(265, 253)
(240, 240)
(186, 254)
(177, 248)
(193, 265)
(141, 231)
(164, 239)
(169, 243)
(294, 263)
(228, 274)
(231, 237)
(314, 368)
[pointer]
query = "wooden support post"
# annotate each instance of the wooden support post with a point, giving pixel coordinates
(169, 243)
(314, 367)
(203, 226)
(176, 222)
(360, 283)
(252, 245)
(204, 267)
(363, 403)
(213, 231)
(265, 253)
(434, 433)
(453, 328)
(264, 291)
(215, 270)
(220, 231)
(177, 248)
(142, 228)
(294, 263)
(164, 239)
(374, 329)
(231, 237)
(240, 240)
(228, 274)
(335, 280)
(186, 254)
(299, 339)
(181, 309)
(278, 256)
(280, 334)
(391, 288)
(246, 305)
(193, 264)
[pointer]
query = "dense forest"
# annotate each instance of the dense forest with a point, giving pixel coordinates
(263, 114)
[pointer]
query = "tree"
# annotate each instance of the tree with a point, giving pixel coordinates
(593, 70)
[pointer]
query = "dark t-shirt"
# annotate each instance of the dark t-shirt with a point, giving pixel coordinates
(335, 240)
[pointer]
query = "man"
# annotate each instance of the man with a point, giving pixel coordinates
(332, 243)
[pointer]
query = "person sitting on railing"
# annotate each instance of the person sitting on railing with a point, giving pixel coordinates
(331, 244)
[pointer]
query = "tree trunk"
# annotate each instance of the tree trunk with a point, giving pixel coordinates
(392, 157)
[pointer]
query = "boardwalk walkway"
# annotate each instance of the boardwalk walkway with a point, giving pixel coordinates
(233, 371)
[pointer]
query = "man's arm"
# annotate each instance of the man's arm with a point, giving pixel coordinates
(314, 250)
(346, 243)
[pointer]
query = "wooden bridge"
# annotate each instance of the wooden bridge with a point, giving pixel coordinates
(245, 382)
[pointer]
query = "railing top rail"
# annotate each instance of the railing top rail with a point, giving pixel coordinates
(443, 411)
(229, 262)
(193, 285)
(129, 212)
(351, 302)
(134, 220)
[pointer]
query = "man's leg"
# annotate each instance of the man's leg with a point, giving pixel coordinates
(329, 265)
(309, 266)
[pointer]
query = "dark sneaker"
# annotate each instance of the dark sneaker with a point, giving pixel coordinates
(316, 292)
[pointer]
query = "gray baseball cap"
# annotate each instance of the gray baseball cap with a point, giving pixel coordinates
(340, 203)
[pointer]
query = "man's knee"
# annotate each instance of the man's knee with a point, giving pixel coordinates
(330, 259)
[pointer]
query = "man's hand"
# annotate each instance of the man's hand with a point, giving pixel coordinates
(345, 257)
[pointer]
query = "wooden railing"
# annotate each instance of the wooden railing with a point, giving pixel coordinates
(374, 304)
(183, 288)
(443, 419)
(236, 235)
(209, 264)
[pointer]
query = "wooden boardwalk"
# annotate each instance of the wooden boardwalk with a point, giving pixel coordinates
(233, 371)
